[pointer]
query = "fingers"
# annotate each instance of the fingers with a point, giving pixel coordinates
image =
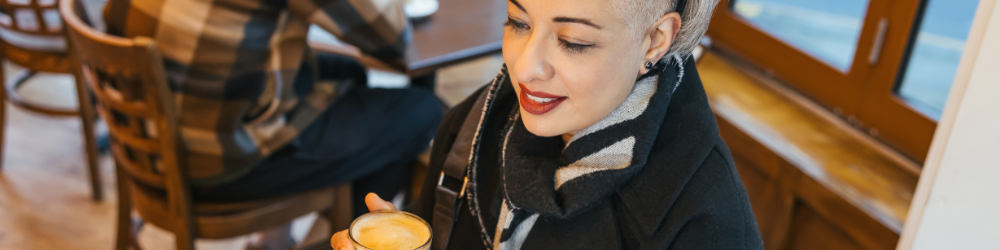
(376, 203)
(339, 241)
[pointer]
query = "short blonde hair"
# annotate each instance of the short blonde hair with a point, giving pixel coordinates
(695, 16)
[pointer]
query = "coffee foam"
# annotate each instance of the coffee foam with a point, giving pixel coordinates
(390, 231)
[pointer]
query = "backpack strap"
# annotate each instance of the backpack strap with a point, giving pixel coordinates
(448, 195)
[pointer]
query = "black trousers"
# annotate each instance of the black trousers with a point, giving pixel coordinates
(369, 137)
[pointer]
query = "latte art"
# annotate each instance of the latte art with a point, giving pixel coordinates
(390, 231)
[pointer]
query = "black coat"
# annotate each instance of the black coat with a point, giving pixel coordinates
(688, 196)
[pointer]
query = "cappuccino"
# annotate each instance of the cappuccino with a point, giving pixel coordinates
(391, 230)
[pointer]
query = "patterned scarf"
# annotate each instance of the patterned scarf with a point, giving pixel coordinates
(545, 177)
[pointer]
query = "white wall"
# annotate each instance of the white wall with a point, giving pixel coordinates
(957, 203)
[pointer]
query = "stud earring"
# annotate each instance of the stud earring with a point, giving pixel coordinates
(649, 65)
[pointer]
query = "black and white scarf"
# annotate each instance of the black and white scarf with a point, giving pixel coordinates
(545, 177)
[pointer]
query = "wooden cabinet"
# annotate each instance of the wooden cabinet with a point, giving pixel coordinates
(794, 211)
(812, 183)
(812, 231)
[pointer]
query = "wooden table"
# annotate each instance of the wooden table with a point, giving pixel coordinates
(459, 31)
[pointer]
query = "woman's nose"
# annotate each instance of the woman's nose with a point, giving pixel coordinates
(532, 65)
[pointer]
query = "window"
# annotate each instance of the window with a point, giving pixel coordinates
(827, 30)
(886, 66)
(935, 54)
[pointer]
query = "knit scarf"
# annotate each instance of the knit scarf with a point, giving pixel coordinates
(546, 177)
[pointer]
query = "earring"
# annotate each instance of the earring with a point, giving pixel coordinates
(649, 65)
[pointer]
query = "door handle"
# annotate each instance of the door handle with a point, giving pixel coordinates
(873, 55)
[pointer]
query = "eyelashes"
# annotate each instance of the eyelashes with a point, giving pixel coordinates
(574, 47)
(521, 27)
(517, 26)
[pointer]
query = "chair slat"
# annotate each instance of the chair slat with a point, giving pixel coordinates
(39, 17)
(134, 170)
(126, 135)
(115, 101)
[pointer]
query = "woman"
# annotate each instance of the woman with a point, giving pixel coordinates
(595, 135)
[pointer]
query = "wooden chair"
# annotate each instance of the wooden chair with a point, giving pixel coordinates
(127, 77)
(33, 37)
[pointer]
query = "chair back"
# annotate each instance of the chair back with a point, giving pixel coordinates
(32, 35)
(127, 77)
(32, 17)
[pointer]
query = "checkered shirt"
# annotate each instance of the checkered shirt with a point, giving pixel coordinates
(231, 65)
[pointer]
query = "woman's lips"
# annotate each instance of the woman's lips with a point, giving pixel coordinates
(538, 102)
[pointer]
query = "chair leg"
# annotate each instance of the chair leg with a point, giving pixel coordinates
(125, 229)
(184, 222)
(86, 111)
(184, 238)
(340, 215)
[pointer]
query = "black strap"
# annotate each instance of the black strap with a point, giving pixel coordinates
(448, 201)
(446, 206)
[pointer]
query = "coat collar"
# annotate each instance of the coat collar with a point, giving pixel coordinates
(542, 176)
(687, 135)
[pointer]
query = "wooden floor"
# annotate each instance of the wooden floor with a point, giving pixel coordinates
(44, 196)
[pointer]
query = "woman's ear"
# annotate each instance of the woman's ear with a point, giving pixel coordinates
(661, 35)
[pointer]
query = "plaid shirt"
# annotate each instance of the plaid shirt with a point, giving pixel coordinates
(232, 63)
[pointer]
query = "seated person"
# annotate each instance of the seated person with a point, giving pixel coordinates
(596, 134)
(262, 116)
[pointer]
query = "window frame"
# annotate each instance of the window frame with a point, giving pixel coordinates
(865, 95)
(888, 115)
(824, 83)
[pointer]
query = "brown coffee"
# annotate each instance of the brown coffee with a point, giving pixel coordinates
(390, 231)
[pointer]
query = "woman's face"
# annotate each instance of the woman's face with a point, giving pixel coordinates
(571, 62)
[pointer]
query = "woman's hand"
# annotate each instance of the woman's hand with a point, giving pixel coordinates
(340, 240)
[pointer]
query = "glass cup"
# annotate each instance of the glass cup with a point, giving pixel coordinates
(390, 230)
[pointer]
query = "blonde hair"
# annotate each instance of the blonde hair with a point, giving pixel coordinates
(640, 14)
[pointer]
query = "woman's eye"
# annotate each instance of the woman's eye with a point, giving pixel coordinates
(574, 47)
(516, 25)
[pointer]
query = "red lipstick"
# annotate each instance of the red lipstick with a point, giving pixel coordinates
(538, 102)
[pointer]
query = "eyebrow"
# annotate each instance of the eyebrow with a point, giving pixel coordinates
(575, 20)
(518, 5)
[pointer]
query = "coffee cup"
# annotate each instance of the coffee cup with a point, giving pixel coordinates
(390, 230)
(419, 9)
